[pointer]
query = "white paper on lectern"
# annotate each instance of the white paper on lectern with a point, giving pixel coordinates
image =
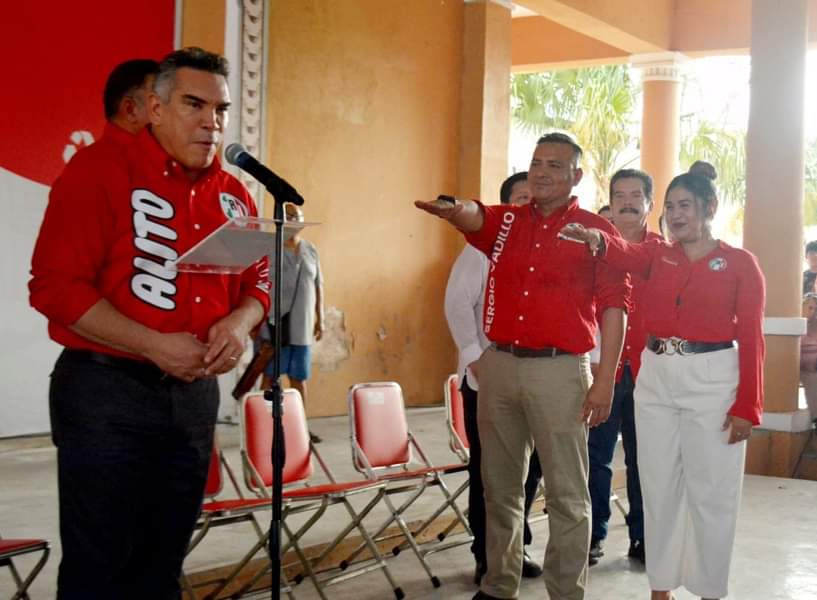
(234, 246)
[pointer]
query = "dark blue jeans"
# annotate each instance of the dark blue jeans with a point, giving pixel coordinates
(476, 493)
(601, 446)
(132, 453)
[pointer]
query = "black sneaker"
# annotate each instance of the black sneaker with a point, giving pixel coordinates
(595, 553)
(530, 568)
(479, 571)
(483, 596)
(636, 551)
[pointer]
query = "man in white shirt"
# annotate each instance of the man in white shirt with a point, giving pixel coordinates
(464, 301)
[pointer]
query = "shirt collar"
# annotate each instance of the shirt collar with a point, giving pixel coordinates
(160, 161)
(559, 213)
(114, 133)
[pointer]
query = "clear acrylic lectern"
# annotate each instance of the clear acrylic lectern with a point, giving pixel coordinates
(234, 246)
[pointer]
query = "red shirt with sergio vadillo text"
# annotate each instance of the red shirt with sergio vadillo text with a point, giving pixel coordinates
(113, 223)
(543, 290)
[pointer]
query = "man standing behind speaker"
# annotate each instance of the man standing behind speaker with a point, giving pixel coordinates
(631, 201)
(133, 396)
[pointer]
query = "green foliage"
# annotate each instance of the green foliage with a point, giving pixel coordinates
(595, 105)
(810, 200)
(725, 149)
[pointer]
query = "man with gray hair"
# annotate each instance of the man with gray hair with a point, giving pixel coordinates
(133, 395)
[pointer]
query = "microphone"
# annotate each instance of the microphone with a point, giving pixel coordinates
(237, 155)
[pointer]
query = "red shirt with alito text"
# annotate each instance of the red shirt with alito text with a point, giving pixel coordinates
(113, 223)
(542, 290)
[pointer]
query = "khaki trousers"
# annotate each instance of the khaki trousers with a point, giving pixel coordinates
(522, 401)
(691, 478)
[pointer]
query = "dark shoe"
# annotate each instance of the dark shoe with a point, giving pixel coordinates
(596, 548)
(479, 571)
(530, 568)
(480, 595)
(636, 551)
(315, 439)
(595, 553)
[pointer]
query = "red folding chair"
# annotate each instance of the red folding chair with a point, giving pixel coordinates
(382, 449)
(13, 548)
(298, 495)
(455, 418)
(217, 511)
(458, 438)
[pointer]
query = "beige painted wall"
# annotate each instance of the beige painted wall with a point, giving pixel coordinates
(363, 117)
(203, 24)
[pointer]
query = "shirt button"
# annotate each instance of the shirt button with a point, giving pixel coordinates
(165, 173)
(628, 347)
(544, 226)
(196, 226)
(516, 342)
(525, 293)
(531, 268)
(197, 299)
(538, 245)
(628, 328)
(521, 318)
(173, 164)
(193, 192)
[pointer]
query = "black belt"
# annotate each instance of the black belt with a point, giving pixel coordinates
(671, 346)
(142, 370)
(530, 352)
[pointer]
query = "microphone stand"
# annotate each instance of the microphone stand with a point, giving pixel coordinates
(275, 395)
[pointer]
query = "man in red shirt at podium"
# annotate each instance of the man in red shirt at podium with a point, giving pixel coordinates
(134, 395)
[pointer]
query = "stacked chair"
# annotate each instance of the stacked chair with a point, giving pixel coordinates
(299, 495)
(455, 419)
(457, 436)
(217, 511)
(382, 449)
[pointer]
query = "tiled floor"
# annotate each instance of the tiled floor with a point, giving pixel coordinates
(775, 556)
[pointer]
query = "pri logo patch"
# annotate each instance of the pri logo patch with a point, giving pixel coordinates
(717, 264)
(232, 206)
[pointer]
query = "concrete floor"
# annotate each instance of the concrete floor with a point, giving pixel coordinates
(775, 555)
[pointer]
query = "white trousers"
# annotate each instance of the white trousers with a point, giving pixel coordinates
(691, 478)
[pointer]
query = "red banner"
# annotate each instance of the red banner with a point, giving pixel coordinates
(57, 57)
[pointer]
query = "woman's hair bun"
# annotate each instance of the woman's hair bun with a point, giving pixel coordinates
(704, 169)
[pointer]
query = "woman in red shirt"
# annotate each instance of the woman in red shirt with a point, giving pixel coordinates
(697, 396)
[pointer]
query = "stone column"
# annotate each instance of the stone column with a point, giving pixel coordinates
(774, 218)
(660, 121)
(485, 114)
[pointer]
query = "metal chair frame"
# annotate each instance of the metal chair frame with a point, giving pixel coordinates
(401, 479)
(12, 548)
(299, 497)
